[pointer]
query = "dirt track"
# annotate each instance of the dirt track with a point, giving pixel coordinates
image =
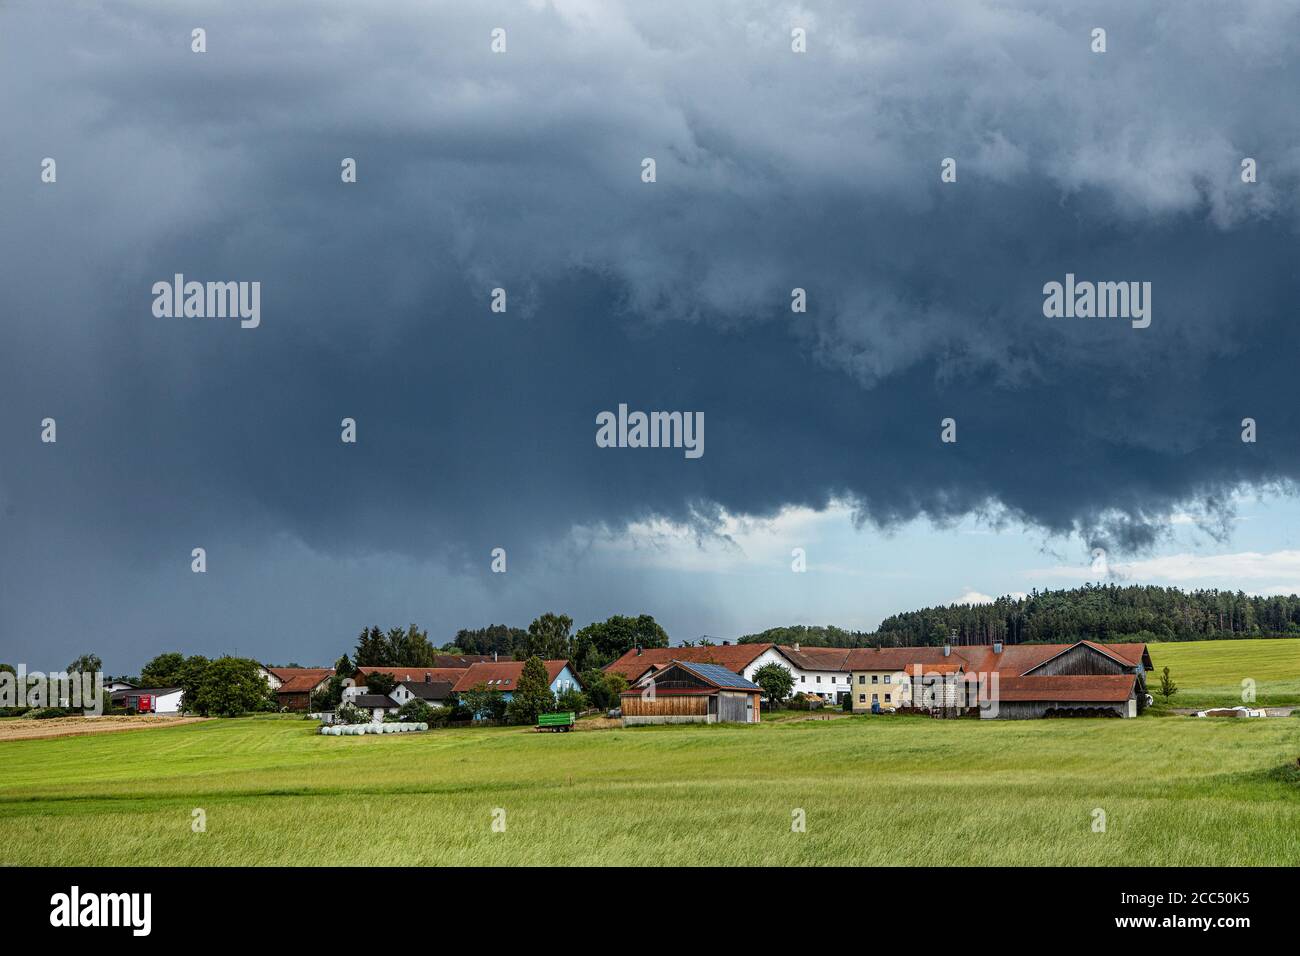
(19, 729)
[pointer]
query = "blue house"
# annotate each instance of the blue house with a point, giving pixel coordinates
(504, 676)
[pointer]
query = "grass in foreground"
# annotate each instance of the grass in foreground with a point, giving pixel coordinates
(876, 791)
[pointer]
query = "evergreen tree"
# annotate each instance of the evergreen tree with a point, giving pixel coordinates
(532, 695)
(1167, 686)
(373, 649)
(508, 642)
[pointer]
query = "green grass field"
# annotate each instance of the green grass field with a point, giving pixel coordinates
(876, 791)
(1209, 673)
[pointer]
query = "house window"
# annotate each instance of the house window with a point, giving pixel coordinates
(803, 678)
(875, 698)
(862, 678)
(875, 678)
(887, 676)
(886, 698)
(819, 678)
(862, 698)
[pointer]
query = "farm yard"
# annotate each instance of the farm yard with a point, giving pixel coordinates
(875, 792)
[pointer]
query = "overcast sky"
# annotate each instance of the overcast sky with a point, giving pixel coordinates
(522, 170)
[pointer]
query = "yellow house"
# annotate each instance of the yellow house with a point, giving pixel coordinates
(888, 688)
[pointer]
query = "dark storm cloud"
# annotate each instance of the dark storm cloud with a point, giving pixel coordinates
(522, 171)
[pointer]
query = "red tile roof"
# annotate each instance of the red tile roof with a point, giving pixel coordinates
(460, 660)
(300, 680)
(409, 675)
(928, 668)
(501, 675)
(1019, 659)
(817, 658)
(734, 657)
(1013, 661)
(1103, 688)
(899, 658)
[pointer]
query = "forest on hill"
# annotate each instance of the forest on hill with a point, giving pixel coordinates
(1097, 612)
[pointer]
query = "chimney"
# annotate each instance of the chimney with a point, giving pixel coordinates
(796, 645)
(428, 678)
(494, 657)
(947, 649)
(638, 650)
(997, 647)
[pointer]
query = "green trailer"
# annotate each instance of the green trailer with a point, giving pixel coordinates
(557, 722)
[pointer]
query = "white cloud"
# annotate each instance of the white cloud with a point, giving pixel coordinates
(735, 543)
(976, 597)
(1209, 570)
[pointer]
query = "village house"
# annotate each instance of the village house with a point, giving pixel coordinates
(504, 676)
(820, 671)
(741, 659)
(1004, 681)
(435, 693)
(817, 671)
(684, 692)
(1050, 680)
(409, 675)
(440, 686)
(293, 686)
(377, 704)
(1030, 680)
(431, 684)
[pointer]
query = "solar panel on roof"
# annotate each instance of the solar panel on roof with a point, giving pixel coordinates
(720, 675)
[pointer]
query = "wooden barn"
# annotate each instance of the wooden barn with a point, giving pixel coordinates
(294, 686)
(691, 693)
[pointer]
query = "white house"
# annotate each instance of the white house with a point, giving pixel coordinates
(377, 704)
(823, 671)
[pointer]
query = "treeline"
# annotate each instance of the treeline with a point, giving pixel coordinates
(1099, 612)
(551, 637)
(814, 635)
(1096, 612)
